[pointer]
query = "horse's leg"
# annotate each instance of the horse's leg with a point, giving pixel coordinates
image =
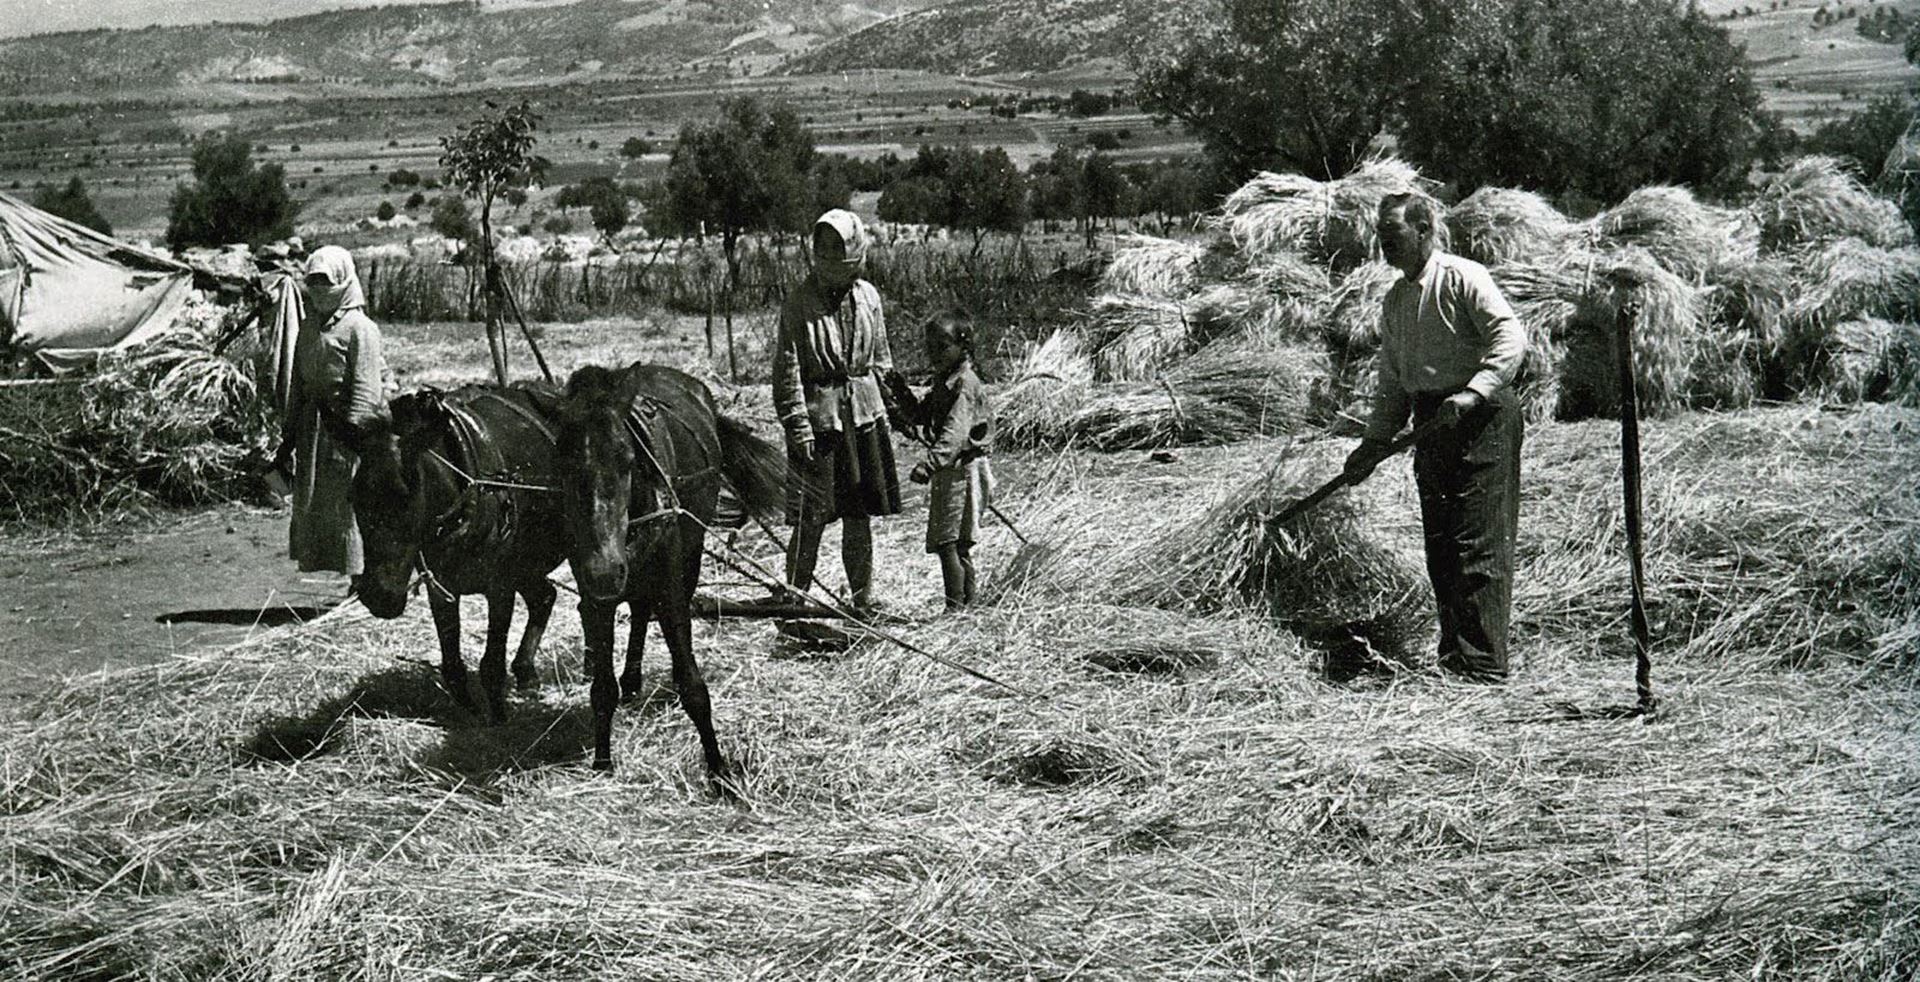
(446, 624)
(642, 612)
(493, 665)
(676, 625)
(539, 595)
(596, 629)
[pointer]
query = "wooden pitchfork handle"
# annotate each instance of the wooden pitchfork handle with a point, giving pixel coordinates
(1344, 479)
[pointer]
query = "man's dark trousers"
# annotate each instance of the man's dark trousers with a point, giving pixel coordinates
(1469, 480)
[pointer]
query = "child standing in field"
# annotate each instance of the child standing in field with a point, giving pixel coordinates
(955, 424)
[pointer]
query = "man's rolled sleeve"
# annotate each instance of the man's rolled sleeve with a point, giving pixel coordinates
(1505, 336)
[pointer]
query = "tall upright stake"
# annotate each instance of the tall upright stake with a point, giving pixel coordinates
(1630, 479)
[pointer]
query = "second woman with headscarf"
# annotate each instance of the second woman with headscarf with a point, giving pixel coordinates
(829, 356)
(338, 392)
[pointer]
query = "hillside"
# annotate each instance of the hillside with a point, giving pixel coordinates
(435, 44)
(996, 37)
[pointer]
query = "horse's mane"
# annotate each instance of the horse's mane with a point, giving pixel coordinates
(593, 389)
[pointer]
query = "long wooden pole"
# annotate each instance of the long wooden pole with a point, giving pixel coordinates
(1630, 482)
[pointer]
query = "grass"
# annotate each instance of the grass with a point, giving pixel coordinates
(1189, 801)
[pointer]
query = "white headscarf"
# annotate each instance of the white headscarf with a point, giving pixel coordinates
(343, 292)
(853, 232)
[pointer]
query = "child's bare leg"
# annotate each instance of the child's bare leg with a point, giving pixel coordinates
(953, 575)
(965, 549)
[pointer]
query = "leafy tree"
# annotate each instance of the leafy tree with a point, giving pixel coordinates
(1595, 97)
(1287, 85)
(71, 203)
(742, 171)
(1865, 137)
(557, 225)
(451, 218)
(403, 178)
(1598, 99)
(486, 158)
(635, 147)
(232, 199)
(609, 215)
(913, 201)
(987, 193)
(385, 212)
(415, 200)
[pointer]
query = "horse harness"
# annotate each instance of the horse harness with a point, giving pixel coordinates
(638, 420)
(484, 459)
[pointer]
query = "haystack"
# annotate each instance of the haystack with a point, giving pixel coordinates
(1147, 266)
(1132, 337)
(1666, 336)
(1849, 281)
(1234, 389)
(1225, 309)
(1499, 225)
(1321, 574)
(1053, 380)
(1686, 236)
(1818, 200)
(1329, 222)
(1859, 360)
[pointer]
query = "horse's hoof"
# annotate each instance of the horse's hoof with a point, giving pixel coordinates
(526, 680)
(603, 764)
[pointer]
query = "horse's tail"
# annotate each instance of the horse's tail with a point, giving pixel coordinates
(756, 469)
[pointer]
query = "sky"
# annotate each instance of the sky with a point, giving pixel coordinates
(19, 17)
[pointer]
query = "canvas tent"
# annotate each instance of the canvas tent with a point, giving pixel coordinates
(67, 293)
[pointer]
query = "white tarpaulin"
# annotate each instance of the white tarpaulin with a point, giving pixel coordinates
(68, 293)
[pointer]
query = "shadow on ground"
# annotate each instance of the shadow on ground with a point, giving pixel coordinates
(535, 734)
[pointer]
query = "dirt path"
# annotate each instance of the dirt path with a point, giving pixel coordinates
(124, 597)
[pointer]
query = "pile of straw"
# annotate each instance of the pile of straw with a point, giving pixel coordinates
(166, 423)
(1687, 237)
(1233, 390)
(1054, 379)
(1666, 333)
(1498, 225)
(1146, 266)
(1819, 199)
(1331, 222)
(1133, 337)
(1850, 281)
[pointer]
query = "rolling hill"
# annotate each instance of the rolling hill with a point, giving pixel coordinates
(433, 44)
(998, 37)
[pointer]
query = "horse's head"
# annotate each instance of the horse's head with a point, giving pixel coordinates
(595, 460)
(389, 502)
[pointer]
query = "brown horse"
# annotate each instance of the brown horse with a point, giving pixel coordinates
(642, 455)
(459, 488)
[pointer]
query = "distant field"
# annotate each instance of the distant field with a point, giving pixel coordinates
(1811, 74)
(338, 150)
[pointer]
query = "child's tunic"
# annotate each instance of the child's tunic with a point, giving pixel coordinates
(962, 480)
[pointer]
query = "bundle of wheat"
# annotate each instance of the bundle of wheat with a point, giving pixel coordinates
(1143, 265)
(1499, 225)
(1330, 222)
(1667, 328)
(1849, 280)
(1819, 199)
(1686, 236)
(1234, 389)
(1133, 337)
(1052, 381)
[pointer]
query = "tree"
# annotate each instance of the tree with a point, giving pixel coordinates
(635, 147)
(1595, 97)
(490, 155)
(988, 193)
(1866, 137)
(451, 218)
(609, 215)
(742, 171)
(1287, 85)
(385, 212)
(71, 203)
(232, 199)
(415, 200)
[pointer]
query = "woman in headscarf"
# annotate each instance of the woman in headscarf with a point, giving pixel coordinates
(338, 392)
(829, 357)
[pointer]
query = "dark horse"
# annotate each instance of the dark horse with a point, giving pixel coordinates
(459, 487)
(642, 454)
